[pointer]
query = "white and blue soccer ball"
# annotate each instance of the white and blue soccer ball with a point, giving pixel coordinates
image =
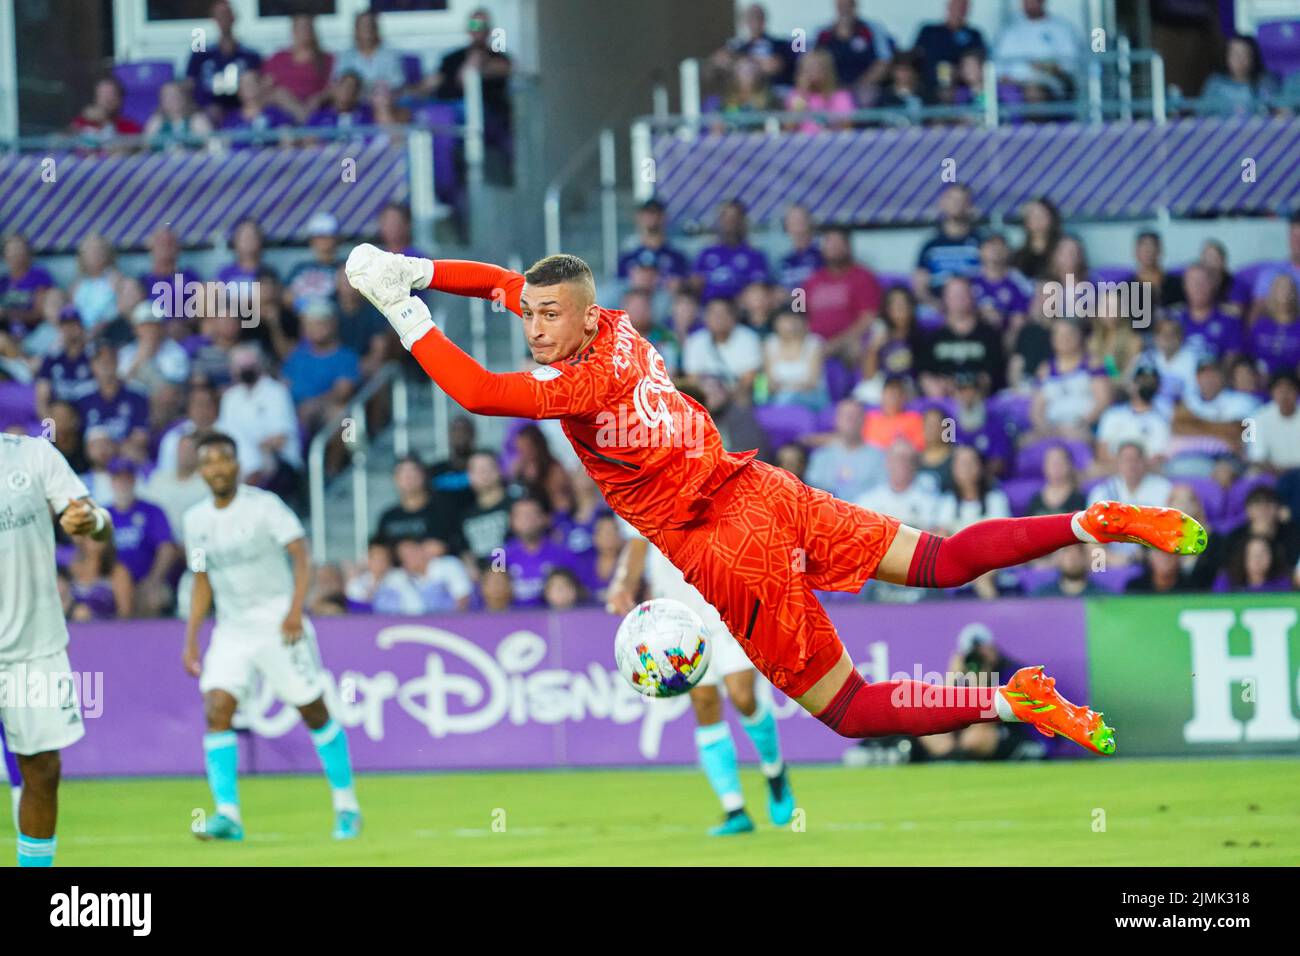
(661, 648)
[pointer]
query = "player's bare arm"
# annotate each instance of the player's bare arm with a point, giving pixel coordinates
(84, 517)
(300, 556)
(621, 596)
(200, 606)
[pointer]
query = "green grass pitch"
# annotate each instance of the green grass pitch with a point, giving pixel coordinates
(1171, 812)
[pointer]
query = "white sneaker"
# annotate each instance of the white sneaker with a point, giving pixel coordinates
(384, 278)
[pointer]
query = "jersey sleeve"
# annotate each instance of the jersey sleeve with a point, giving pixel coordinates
(551, 391)
(281, 521)
(59, 482)
(478, 280)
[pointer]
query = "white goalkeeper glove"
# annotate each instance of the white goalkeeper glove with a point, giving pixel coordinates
(387, 280)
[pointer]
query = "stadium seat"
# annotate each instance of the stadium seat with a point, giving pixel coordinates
(1279, 46)
(1116, 579)
(446, 176)
(1029, 459)
(826, 419)
(840, 379)
(1013, 408)
(1243, 280)
(1214, 499)
(1020, 492)
(888, 280)
(785, 423)
(1112, 274)
(142, 80)
(412, 68)
(17, 404)
(1031, 579)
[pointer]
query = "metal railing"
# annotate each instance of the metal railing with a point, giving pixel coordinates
(604, 145)
(419, 143)
(354, 420)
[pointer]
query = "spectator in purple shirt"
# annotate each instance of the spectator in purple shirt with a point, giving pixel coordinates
(596, 568)
(345, 109)
(1001, 293)
(121, 410)
(986, 433)
(1291, 267)
(1206, 327)
(23, 286)
(144, 541)
(255, 113)
(723, 269)
(247, 243)
(805, 256)
(530, 554)
(215, 73)
(652, 248)
(164, 267)
(65, 376)
(1274, 337)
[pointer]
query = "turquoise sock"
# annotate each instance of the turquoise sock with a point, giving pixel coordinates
(221, 753)
(760, 727)
(332, 746)
(35, 851)
(718, 758)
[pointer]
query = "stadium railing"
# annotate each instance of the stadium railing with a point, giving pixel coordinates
(352, 425)
(124, 185)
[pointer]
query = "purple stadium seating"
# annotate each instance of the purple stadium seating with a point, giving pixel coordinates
(446, 177)
(1019, 492)
(840, 379)
(1214, 499)
(826, 419)
(1012, 408)
(1111, 274)
(412, 69)
(1116, 579)
(890, 279)
(142, 80)
(1243, 280)
(1029, 459)
(785, 423)
(1031, 579)
(17, 404)
(1279, 46)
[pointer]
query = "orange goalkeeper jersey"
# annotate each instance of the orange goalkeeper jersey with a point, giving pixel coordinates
(654, 452)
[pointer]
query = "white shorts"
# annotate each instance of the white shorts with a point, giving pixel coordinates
(292, 671)
(39, 706)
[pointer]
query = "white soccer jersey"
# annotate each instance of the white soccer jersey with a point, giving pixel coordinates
(34, 477)
(241, 547)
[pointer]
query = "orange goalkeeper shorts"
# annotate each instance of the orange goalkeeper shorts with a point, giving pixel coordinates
(766, 544)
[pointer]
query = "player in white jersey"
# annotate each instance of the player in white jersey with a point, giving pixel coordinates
(38, 689)
(236, 544)
(728, 667)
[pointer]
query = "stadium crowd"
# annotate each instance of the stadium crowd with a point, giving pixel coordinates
(854, 63)
(949, 395)
(231, 87)
(945, 396)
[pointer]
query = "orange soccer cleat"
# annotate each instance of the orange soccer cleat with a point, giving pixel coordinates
(1035, 700)
(1165, 528)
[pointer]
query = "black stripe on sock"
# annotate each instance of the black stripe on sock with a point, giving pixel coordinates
(835, 714)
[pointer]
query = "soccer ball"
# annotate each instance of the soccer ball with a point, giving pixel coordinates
(661, 648)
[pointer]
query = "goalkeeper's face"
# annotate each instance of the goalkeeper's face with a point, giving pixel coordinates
(558, 319)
